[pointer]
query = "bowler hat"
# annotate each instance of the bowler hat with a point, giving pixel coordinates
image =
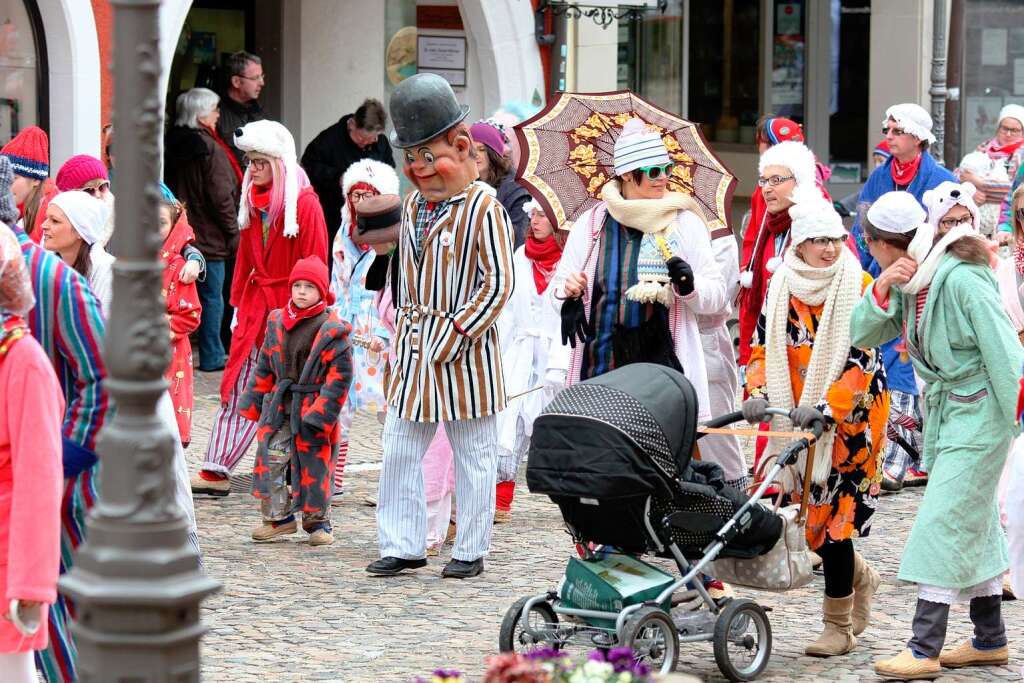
(422, 107)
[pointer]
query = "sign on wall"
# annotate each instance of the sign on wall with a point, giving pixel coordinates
(444, 56)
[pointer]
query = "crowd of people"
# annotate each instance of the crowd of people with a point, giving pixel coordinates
(455, 312)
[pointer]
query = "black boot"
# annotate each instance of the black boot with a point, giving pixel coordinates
(460, 569)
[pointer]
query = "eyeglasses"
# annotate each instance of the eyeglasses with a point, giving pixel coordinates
(894, 130)
(97, 190)
(259, 79)
(360, 195)
(655, 172)
(1010, 131)
(826, 241)
(774, 181)
(950, 223)
(258, 164)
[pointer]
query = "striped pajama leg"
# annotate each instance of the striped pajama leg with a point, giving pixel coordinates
(475, 445)
(57, 661)
(345, 422)
(232, 434)
(903, 429)
(401, 499)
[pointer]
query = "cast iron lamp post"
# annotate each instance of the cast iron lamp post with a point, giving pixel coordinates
(136, 582)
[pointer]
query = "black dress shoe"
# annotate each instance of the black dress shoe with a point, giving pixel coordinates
(390, 566)
(459, 569)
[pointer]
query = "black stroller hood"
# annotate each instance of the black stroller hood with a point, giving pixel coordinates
(626, 433)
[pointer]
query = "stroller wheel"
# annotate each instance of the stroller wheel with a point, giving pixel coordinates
(742, 640)
(513, 637)
(652, 635)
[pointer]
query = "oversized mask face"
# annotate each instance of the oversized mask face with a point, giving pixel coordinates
(442, 167)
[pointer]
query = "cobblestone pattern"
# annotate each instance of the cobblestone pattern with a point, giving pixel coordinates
(289, 612)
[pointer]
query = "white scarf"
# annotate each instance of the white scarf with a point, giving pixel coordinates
(653, 217)
(928, 256)
(838, 287)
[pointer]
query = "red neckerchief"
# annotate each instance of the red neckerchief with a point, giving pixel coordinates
(544, 254)
(293, 315)
(1018, 257)
(903, 173)
(227, 150)
(775, 224)
(259, 197)
(996, 152)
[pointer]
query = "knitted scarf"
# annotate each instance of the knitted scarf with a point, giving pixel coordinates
(544, 256)
(292, 314)
(838, 287)
(653, 217)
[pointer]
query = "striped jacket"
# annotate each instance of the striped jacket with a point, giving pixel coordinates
(447, 363)
(67, 323)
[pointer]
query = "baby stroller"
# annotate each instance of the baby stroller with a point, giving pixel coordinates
(615, 454)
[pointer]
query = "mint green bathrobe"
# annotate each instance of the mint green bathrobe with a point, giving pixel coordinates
(968, 353)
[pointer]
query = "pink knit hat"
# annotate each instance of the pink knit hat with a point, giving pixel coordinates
(78, 170)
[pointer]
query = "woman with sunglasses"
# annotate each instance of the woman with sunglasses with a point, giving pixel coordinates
(280, 222)
(803, 359)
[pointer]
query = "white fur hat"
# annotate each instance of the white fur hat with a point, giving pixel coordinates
(897, 212)
(913, 119)
(792, 155)
(948, 194)
(371, 172)
(813, 216)
(271, 139)
(1012, 111)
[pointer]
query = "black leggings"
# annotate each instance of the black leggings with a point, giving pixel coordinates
(837, 564)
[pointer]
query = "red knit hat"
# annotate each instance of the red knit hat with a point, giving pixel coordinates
(29, 153)
(313, 269)
(78, 170)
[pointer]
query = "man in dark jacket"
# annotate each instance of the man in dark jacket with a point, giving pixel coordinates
(356, 136)
(240, 105)
(200, 172)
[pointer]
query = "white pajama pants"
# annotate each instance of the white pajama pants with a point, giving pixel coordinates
(17, 667)
(402, 502)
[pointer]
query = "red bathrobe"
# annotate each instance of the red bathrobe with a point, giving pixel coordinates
(183, 311)
(260, 283)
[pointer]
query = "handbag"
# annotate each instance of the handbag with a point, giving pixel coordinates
(788, 564)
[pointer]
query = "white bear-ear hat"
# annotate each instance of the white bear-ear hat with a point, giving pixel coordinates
(270, 139)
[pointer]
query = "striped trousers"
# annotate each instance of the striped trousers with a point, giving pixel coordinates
(232, 434)
(402, 501)
(905, 425)
(345, 426)
(57, 662)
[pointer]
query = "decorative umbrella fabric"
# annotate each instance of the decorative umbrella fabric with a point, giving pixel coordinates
(567, 155)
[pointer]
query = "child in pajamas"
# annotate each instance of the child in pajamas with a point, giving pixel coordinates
(300, 383)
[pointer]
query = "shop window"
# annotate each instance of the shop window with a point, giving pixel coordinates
(651, 56)
(724, 68)
(848, 124)
(993, 67)
(20, 68)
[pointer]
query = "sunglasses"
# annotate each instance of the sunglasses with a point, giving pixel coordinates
(97, 190)
(655, 172)
(894, 130)
(774, 181)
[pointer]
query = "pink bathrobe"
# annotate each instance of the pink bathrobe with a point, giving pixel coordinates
(31, 410)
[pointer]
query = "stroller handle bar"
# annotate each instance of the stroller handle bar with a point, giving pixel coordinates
(817, 427)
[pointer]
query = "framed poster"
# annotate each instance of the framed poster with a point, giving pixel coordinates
(444, 56)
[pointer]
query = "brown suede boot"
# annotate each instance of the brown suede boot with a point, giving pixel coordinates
(865, 582)
(837, 638)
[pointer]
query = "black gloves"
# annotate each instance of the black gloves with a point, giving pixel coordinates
(803, 417)
(681, 274)
(755, 410)
(574, 322)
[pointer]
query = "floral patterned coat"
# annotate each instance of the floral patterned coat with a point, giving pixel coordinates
(858, 402)
(183, 311)
(315, 400)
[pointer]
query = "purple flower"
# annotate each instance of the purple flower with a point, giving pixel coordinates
(545, 654)
(443, 673)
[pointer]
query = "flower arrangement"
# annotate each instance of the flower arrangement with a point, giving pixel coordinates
(553, 666)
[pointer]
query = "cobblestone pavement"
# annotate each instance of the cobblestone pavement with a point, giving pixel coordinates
(289, 612)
